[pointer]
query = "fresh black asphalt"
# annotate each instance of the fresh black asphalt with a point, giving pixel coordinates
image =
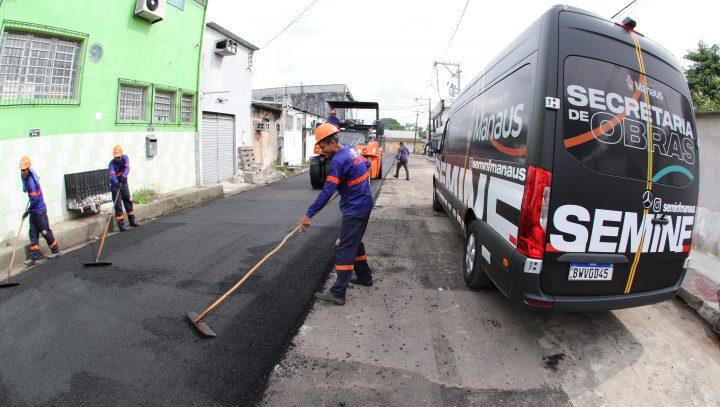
(118, 335)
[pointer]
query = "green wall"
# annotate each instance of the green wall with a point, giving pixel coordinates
(165, 53)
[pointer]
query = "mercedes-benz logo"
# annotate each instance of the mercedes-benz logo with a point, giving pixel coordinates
(647, 199)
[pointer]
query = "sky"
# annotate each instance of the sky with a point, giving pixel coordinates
(384, 50)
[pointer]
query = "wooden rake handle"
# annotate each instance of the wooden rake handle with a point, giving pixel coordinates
(17, 238)
(247, 275)
(107, 225)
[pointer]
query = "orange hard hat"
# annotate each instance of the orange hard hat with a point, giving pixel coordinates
(324, 130)
(117, 151)
(24, 162)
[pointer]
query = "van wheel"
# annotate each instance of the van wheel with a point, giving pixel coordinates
(474, 275)
(437, 206)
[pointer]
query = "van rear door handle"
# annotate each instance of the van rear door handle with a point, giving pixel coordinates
(659, 221)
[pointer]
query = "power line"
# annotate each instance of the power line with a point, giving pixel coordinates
(456, 28)
(623, 9)
(291, 23)
(427, 82)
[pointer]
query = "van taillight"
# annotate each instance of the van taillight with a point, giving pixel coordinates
(534, 213)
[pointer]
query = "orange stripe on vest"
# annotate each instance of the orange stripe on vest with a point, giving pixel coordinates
(358, 180)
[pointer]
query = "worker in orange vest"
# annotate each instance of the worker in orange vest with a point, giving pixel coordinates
(348, 173)
(119, 170)
(37, 210)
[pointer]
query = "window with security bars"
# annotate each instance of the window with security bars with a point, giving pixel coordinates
(38, 69)
(164, 107)
(132, 104)
(186, 109)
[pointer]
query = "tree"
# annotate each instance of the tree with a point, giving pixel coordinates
(703, 77)
(391, 124)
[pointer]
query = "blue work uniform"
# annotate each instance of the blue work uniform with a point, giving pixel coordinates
(121, 169)
(348, 173)
(334, 121)
(402, 160)
(39, 223)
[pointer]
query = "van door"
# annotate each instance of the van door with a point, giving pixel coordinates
(624, 181)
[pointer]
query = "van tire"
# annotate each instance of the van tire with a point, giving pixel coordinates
(437, 206)
(473, 273)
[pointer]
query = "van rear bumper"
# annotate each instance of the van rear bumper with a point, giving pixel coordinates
(527, 290)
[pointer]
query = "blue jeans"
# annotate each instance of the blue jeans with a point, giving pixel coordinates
(350, 254)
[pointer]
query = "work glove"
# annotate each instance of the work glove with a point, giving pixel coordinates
(25, 215)
(122, 179)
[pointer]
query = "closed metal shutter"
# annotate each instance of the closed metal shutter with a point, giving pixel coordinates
(218, 148)
(226, 147)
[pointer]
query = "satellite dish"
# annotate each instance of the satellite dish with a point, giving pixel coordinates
(96, 53)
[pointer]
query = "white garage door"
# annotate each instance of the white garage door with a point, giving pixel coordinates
(218, 147)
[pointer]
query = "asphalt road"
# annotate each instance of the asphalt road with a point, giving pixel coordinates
(118, 335)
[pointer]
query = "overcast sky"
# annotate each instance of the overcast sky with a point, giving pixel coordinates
(384, 49)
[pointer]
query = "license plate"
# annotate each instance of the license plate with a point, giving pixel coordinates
(590, 272)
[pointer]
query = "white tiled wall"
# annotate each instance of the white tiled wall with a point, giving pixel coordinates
(54, 156)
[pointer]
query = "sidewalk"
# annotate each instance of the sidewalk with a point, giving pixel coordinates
(701, 285)
(75, 233)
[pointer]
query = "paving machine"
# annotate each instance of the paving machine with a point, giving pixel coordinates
(365, 138)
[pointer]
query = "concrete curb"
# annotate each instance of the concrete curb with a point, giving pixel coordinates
(700, 294)
(80, 231)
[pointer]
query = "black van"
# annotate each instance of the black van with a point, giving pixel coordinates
(571, 166)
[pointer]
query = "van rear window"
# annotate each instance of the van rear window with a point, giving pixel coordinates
(611, 119)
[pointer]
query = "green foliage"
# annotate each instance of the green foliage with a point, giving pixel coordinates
(391, 124)
(142, 196)
(703, 77)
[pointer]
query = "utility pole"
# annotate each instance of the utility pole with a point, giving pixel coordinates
(417, 113)
(454, 70)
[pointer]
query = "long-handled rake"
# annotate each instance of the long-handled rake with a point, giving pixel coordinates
(197, 320)
(7, 282)
(97, 262)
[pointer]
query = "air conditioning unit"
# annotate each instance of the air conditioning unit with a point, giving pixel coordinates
(226, 47)
(151, 10)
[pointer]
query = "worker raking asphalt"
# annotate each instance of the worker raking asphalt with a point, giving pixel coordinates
(74, 335)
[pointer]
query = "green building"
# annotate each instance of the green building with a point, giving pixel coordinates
(78, 77)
